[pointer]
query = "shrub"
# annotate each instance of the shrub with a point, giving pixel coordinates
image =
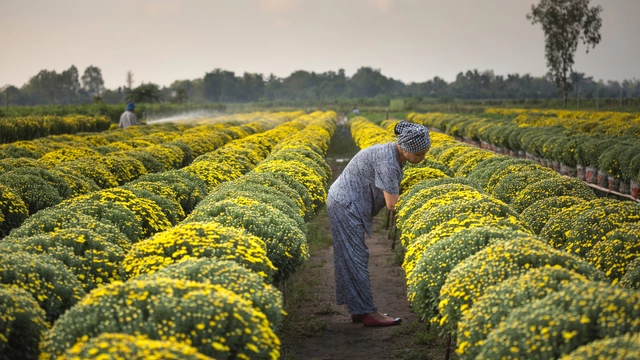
(483, 172)
(107, 212)
(198, 240)
(496, 263)
(169, 206)
(78, 184)
(189, 188)
(57, 157)
(121, 346)
(213, 173)
(471, 161)
(546, 188)
(631, 278)
(36, 193)
(416, 198)
(231, 276)
(617, 347)
(13, 211)
(49, 281)
(415, 175)
(563, 321)
(505, 171)
(151, 216)
(217, 322)
(99, 174)
(422, 222)
(282, 181)
(263, 194)
(22, 324)
(512, 184)
(591, 226)
(554, 231)
(619, 248)
(50, 220)
(149, 162)
(435, 263)
(540, 212)
(491, 309)
(90, 256)
(124, 168)
(286, 243)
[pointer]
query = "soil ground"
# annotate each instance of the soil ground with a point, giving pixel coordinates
(317, 328)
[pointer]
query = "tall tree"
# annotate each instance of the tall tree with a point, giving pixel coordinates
(70, 85)
(565, 23)
(145, 93)
(130, 80)
(92, 81)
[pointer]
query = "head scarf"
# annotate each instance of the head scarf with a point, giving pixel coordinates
(413, 138)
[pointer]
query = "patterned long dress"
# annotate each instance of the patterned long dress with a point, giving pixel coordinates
(353, 200)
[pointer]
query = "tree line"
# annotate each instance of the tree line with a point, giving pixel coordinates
(221, 86)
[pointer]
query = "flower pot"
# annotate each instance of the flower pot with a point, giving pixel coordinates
(499, 150)
(528, 156)
(522, 154)
(475, 143)
(591, 175)
(466, 140)
(634, 189)
(458, 138)
(567, 170)
(513, 154)
(614, 184)
(603, 179)
(484, 144)
(624, 188)
(555, 165)
(580, 172)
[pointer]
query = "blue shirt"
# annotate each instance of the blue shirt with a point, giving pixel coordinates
(360, 187)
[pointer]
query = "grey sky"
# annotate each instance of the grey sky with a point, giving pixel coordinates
(410, 40)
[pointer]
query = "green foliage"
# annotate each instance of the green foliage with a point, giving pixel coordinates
(489, 312)
(52, 219)
(231, 276)
(484, 170)
(540, 212)
(216, 321)
(22, 325)
(286, 244)
(13, 211)
(198, 240)
(563, 321)
(619, 248)
(435, 264)
(36, 193)
(631, 278)
(283, 182)
(553, 187)
(50, 282)
(121, 346)
(496, 263)
(90, 256)
(511, 185)
(189, 188)
(617, 347)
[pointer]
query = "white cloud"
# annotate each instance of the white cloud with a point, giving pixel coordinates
(279, 6)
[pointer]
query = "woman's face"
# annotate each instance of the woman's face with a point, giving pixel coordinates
(415, 158)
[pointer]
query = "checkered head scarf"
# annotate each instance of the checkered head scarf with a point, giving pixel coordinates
(413, 138)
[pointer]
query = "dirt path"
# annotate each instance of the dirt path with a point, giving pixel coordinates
(316, 328)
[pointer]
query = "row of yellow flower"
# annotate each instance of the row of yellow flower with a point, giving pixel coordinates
(31, 127)
(608, 156)
(69, 166)
(118, 212)
(474, 265)
(569, 114)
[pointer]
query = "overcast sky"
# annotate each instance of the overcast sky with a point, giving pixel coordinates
(411, 40)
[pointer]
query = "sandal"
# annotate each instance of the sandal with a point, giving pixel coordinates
(370, 321)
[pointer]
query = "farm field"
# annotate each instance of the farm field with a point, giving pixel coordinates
(517, 237)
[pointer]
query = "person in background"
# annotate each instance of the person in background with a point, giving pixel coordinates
(370, 182)
(356, 111)
(128, 118)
